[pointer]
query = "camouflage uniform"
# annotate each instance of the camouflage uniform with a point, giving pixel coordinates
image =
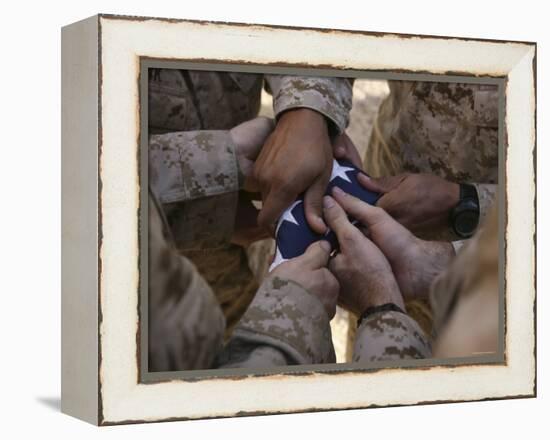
(464, 299)
(182, 105)
(446, 129)
(283, 325)
(467, 291)
(186, 323)
(465, 303)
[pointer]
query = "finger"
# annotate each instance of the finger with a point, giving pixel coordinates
(331, 289)
(337, 220)
(338, 147)
(251, 135)
(274, 205)
(344, 148)
(367, 214)
(381, 184)
(336, 264)
(316, 256)
(370, 183)
(313, 205)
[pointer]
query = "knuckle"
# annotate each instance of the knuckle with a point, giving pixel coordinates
(378, 212)
(348, 236)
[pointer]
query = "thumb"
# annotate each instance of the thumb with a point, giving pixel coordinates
(338, 221)
(367, 214)
(249, 136)
(344, 148)
(313, 205)
(381, 184)
(316, 255)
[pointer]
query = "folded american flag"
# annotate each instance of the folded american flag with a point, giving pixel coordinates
(293, 234)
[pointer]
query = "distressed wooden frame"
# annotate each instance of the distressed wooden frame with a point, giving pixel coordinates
(101, 59)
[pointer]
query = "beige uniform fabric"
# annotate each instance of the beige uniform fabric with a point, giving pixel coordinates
(446, 129)
(284, 325)
(465, 298)
(186, 324)
(196, 108)
(388, 336)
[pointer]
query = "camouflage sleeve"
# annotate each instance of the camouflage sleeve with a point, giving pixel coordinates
(196, 177)
(390, 335)
(486, 193)
(330, 96)
(186, 323)
(284, 325)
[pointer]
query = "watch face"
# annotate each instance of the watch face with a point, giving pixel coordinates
(466, 223)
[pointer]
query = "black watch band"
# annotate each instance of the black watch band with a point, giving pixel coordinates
(465, 215)
(387, 307)
(468, 191)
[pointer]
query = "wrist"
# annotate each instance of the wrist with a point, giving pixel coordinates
(311, 118)
(383, 292)
(433, 258)
(453, 195)
(387, 307)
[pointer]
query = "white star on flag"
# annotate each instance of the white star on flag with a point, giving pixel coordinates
(277, 260)
(287, 216)
(340, 171)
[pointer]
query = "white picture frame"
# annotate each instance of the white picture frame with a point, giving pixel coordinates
(101, 67)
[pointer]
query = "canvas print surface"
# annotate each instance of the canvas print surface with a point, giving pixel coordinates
(311, 220)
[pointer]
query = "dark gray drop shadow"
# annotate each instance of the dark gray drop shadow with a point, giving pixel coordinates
(52, 403)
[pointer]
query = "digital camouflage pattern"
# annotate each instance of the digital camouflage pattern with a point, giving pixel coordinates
(196, 177)
(446, 129)
(441, 128)
(388, 336)
(195, 109)
(465, 304)
(284, 325)
(185, 100)
(186, 324)
(330, 96)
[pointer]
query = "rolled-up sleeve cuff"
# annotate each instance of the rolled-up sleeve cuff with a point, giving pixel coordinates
(390, 335)
(192, 164)
(196, 177)
(486, 194)
(332, 97)
(286, 316)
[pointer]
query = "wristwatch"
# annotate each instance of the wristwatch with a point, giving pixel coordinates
(465, 215)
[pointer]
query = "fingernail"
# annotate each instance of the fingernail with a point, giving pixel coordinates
(328, 202)
(338, 191)
(325, 245)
